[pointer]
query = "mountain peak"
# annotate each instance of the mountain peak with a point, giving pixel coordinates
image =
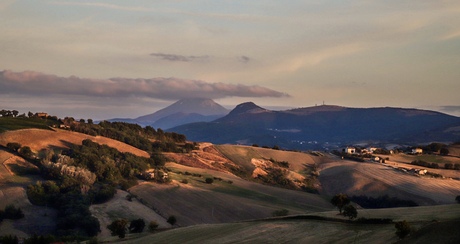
(247, 107)
(203, 106)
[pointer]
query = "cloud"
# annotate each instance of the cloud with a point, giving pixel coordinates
(244, 59)
(39, 84)
(179, 58)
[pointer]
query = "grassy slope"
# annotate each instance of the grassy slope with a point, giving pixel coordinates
(198, 202)
(374, 179)
(311, 231)
(12, 191)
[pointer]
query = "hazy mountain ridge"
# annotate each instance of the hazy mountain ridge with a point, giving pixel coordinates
(249, 123)
(181, 112)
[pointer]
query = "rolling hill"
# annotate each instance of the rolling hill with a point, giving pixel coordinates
(324, 127)
(239, 204)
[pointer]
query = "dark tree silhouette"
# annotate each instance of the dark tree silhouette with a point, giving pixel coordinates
(350, 211)
(340, 200)
(118, 228)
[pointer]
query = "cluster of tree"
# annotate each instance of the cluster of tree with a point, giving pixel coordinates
(435, 147)
(11, 212)
(8, 113)
(435, 165)
(452, 166)
(147, 139)
(120, 227)
(277, 177)
(342, 202)
(109, 165)
(382, 202)
(74, 217)
(354, 157)
(283, 164)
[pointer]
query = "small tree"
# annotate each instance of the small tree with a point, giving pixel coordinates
(118, 228)
(350, 211)
(340, 200)
(137, 226)
(209, 180)
(172, 220)
(153, 225)
(402, 229)
(457, 199)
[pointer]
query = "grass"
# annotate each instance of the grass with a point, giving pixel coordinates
(9, 123)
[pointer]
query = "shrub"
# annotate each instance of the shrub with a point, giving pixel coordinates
(118, 228)
(402, 229)
(172, 220)
(457, 199)
(184, 181)
(350, 212)
(153, 225)
(209, 180)
(281, 212)
(137, 226)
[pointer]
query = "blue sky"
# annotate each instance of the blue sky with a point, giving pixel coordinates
(104, 59)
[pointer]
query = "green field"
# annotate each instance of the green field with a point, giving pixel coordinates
(9, 123)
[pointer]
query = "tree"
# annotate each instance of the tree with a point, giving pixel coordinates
(172, 220)
(118, 228)
(350, 211)
(13, 146)
(137, 226)
(209, 180)
(457, 199)
(26, 152)
(444, 151)
(90, 121)
(340, 200)
(402, 229)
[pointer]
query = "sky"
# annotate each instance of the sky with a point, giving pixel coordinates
(107, 59)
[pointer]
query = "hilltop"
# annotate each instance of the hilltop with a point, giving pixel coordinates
(325, 127)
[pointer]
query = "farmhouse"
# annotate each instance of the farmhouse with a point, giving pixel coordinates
(349, 150)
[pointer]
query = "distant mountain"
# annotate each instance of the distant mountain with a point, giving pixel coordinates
(181, 112)
(324, 127)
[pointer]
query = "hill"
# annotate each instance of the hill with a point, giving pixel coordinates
(38, 140)
(181, 112)
(324, 127)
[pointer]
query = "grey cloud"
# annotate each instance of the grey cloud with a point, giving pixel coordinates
(244, 59)
(39, 84)
(179, 58)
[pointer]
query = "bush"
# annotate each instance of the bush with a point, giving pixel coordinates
(457, 199)
(209, 180)
(350, 212)
(137, 226)
(118, 228)
(402, 229)
(184, 181)
(153, 225)
(172, 220)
